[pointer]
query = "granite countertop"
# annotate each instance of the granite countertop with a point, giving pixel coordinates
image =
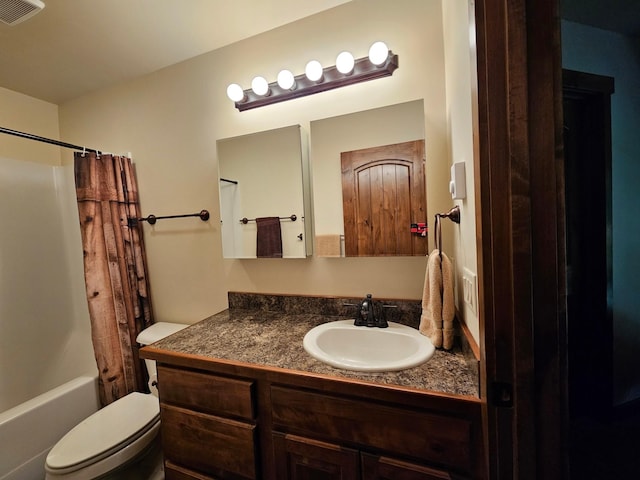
(274, 339)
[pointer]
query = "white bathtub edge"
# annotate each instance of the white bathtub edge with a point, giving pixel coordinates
(29, 430)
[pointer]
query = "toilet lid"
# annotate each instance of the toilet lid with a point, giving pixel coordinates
(104, 430)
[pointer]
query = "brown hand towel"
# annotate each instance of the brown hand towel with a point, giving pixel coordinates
(438, 308)
(268, 238)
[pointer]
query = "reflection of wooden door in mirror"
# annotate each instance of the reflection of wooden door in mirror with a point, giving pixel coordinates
(383, 193)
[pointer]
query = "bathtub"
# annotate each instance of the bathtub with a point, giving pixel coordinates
(29, 430)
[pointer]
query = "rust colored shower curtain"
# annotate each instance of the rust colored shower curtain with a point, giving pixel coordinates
(115, 269)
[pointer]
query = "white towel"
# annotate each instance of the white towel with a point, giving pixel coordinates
(438, 307)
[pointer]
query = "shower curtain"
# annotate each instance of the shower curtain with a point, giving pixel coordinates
(115, 270)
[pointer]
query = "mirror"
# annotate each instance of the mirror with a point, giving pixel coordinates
(359, 133)
(263, 177)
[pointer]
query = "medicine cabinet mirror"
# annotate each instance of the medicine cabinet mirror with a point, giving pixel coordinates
(370, 183)
(265, 174)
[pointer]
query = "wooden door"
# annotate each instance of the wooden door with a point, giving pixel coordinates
(520, 227)
(383, 193)
(587, 153)
(375, 467)
(588, 220)
(299, 458)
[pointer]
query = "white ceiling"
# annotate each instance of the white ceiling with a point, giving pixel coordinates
(76, 46)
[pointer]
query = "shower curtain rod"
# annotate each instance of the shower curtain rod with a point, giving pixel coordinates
(29, 136)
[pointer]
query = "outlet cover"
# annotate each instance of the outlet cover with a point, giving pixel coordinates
(470, 289)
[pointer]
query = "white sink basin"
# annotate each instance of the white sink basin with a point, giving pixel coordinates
(343, 345)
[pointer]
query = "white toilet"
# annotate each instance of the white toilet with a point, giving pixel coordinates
(116, 435)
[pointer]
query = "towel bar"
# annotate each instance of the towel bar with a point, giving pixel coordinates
(246, 220)
(152, 219)
(453, 214)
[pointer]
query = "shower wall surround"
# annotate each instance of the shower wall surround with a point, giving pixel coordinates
(44, 331)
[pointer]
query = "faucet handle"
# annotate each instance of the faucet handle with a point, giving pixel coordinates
(382, 318)
(380, 315)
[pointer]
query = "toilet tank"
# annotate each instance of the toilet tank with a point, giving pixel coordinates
(152, 334)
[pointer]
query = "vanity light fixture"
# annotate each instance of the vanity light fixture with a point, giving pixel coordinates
(286, 80)
(378, 53)
(314, 71)
(345, 63)
(235, 93)
(260, 86)
(381, 62)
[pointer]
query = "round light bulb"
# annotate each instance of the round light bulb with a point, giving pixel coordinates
(378, 53)
(286, 81)
(260, 86)
(235, 92)
(345, 63)
(313, 71)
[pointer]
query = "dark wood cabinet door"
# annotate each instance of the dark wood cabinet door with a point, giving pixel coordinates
(429, 436)
(375, 467)
(299, 458)
(215, 446)
(176, 472)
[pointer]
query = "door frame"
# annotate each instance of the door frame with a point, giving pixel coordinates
(521, 236)
(594, 93)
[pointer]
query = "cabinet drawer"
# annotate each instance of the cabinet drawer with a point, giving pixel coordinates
(208, 444)
(425, 436)
(175, 472)
(375, 467)
(206, 392)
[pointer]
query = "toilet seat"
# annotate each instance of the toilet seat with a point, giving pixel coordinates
(128, 424)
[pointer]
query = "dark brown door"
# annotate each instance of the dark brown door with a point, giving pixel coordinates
(383, 193)
(299, 458)
(588, 223)
(375, 467)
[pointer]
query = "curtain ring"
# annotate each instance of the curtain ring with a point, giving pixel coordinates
(84, 150)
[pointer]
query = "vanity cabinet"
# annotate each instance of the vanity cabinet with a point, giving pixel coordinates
(299, 458)
(223, 420)
(370, 427)
(208, 425)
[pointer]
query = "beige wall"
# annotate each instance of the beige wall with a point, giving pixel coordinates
(459, 75)
(29, 115)
(170, 121)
